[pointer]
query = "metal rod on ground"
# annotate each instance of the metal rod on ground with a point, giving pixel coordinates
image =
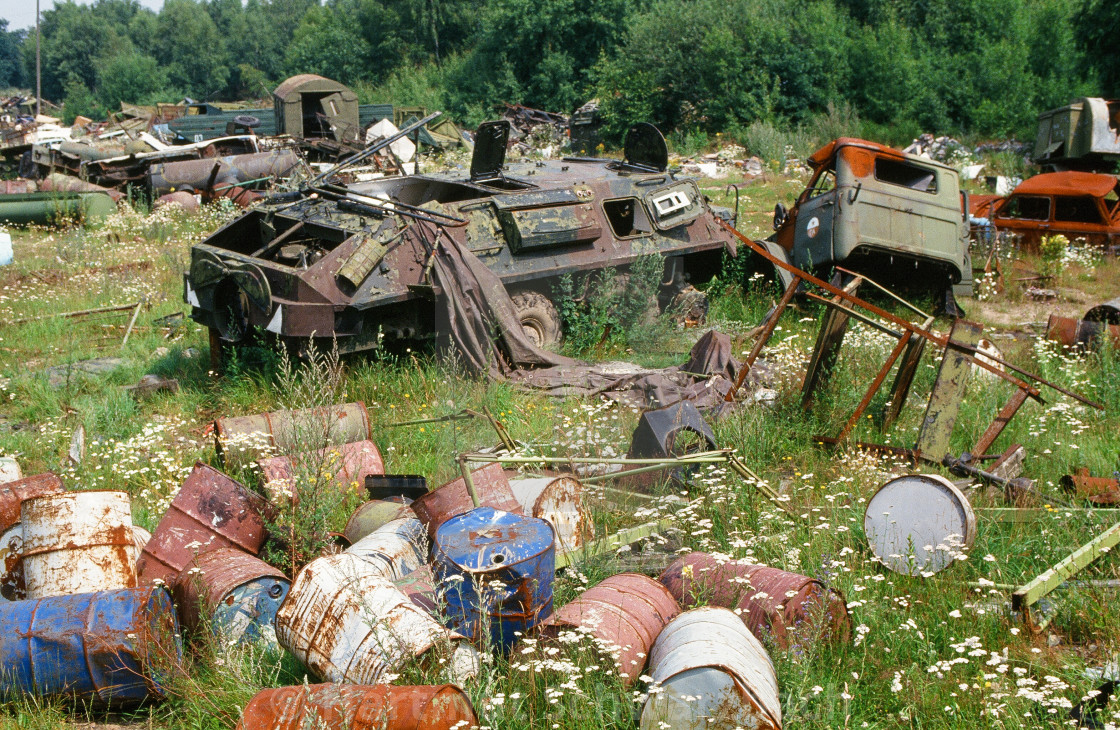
(764, 337)
(875, 385)
(131, 322)
(79, 313)
(704, 457)
(610, 542)
(940, 340)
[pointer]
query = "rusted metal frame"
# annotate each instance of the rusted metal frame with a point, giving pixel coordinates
(855, 315)
(888, 292)
(763, 338)
(904, 378)
(373, 148)
(999, 423)
(830, 337)
(874, 387)
(940, 340)
(499, 428)
(1030, 593)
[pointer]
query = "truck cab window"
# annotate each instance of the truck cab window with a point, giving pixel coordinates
(906, 175)
(825, 182)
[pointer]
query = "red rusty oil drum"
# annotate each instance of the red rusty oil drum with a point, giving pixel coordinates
(12, 495)
(773, 604)
(356, 707)
(346, 465)
(244, 439)
(210, 511)
(627, 611)
(453, 498)
(231, 592)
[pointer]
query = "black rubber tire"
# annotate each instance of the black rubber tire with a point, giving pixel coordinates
(538, 316)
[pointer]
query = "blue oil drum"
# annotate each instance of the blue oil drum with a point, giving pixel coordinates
(495, 568)
(107, 648)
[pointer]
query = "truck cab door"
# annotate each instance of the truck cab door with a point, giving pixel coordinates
(816, 218)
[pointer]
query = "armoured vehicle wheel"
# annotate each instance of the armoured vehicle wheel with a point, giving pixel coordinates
(538, 316)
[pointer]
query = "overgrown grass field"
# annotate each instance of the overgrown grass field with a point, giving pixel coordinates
(937, 652)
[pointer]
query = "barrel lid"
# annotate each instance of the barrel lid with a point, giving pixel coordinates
(918, 523)
(489, 539)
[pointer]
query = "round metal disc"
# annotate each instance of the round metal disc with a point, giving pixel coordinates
(918, 523)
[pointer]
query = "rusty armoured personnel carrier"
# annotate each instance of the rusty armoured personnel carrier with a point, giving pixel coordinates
(355, 262)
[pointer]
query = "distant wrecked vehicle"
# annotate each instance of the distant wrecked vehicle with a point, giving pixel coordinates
(1074, 204)
(355, 263)
(896, 217)
(1082, 135)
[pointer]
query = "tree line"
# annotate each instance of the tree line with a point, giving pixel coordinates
(969, 67)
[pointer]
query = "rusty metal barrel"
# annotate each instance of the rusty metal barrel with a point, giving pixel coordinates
(496, 570)
(1071, 332)
(712, 672)
(350, 707)
(395, 549)
(346, 623)
(232, 593)
(210, 511)
(77, 542)
(208, 172)
(453, 498)
(774, 604)
(107, 648)
(420, 587)
(244, 439)
(11, 566)
(12, 495)
(373, 514)
(560, 501)
(346, 467)
(626, 611)
(919, 523)
(1109, 312)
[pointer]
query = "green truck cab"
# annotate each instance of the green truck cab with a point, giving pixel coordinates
(898, 218)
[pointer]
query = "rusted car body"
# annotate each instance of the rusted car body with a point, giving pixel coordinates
(878, 211)
(1074, 204)
(355, 262)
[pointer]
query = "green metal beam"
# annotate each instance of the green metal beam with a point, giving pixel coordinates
(610, 543)
(1029, 594)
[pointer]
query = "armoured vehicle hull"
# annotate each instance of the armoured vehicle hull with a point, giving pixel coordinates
(356, 263)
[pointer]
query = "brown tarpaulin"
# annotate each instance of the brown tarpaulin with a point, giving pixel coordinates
(481, 323)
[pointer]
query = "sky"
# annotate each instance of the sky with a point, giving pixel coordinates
(21, 13)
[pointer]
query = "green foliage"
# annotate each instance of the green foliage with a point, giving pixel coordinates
(192, 49)
(1052, 250)
(1096, 28)
(819, 68)
(328, 42)
(609, 309)
(11, 68)
(78, 100)
(130, 77)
